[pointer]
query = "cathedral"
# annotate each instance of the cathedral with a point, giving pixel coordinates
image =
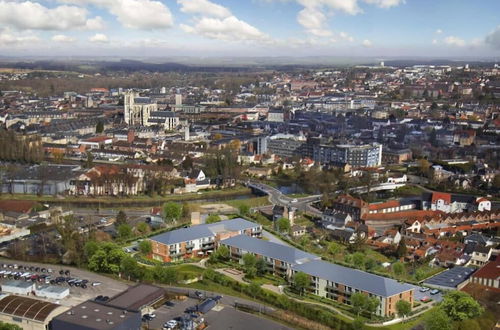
(138, 109)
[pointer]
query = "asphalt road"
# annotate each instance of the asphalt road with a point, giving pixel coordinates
(276, 197)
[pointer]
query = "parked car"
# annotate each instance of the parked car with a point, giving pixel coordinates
(169, 304)
(425, 299)
(424, 289)
(435, 291)
(170, 324)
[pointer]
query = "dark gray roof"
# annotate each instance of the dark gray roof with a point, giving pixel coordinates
(143, 100)
(268, 249)
(378, 285)
(201, 231)
(163, 114)
(451, 277)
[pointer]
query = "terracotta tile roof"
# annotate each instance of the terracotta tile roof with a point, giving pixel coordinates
(16, 206)
(97, 139)
(413, 214)
(420, 253)
(439, 195)
(385, 205)
(490, 270)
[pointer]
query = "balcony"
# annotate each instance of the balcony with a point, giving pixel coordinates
(208, 247)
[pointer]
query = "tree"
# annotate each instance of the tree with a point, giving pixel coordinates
(283, 224)
(89, 163)
(129, 267)
(401, 249)
(370, 264)
(235, 145)
(99, 128)
(172, 211)
(121, 218)
(371, 305)
(249, 260)
(460, 306)
(334, 248)
(433, 138)
(398, 268)
(437, 319)
(403, 308)
(9, 326)
(358, 324)
(254, 288)
(261, 266)
(358, 259)
(212, 218)
(166, 275)
(142, 228)
(243, 209)
(358, 244)
(222, 253)
(420, 275)
(301, 282)
(145, 247)
(90, 249)
(187, 163)
(358, 302)
(124, 231)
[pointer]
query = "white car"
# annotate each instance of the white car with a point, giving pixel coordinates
(170, 324)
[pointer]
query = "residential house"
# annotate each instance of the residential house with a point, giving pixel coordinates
(297, 230)
(488, 275)
(336, 218)
(480, 255)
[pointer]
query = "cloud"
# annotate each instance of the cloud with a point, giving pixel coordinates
(217, 22)
(204, 8)
(313, 20)
(439, 31)
(27, 15)
(135, 14)
(96, 23)
(229, 28)
(63, 38)
(385, 3)
(434, 41)
(7, 38)
(99, 38)
(367, 43)
(454, 41)
(493, 39)
(345, 36)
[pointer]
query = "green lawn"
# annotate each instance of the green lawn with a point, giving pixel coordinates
(111, 200)
(188, 271)
(403, 325)
(251, 202)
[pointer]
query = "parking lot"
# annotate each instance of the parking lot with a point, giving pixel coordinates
(107, 287)
(221, 317)
(420, 295)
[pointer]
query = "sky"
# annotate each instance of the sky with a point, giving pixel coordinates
(205, 28)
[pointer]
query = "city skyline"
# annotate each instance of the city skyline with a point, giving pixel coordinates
(251, 28)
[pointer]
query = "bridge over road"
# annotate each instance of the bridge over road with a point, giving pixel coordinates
(276, 197)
